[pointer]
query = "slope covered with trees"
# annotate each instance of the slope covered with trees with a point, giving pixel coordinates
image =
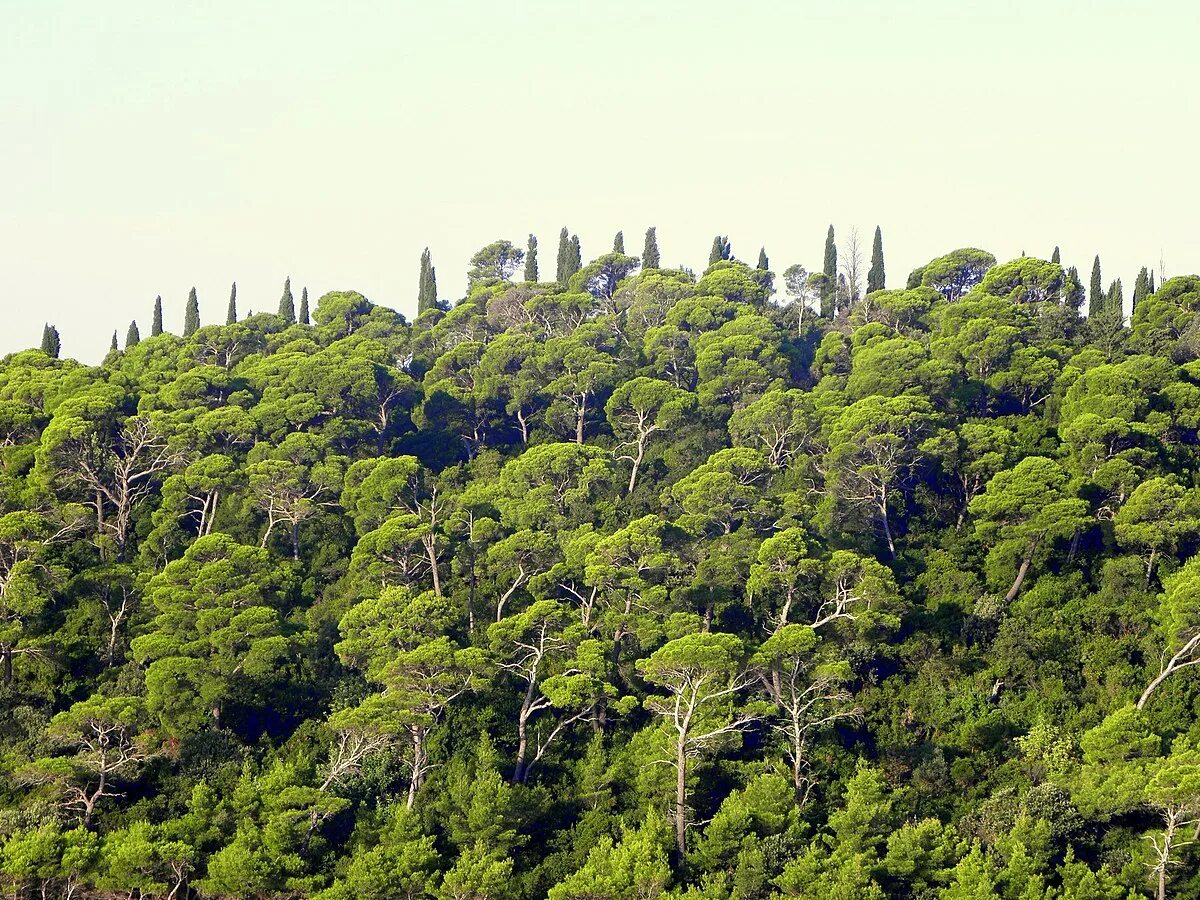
(631, 584)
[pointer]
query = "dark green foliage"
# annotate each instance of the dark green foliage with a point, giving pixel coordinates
(876, 277)
(287, 306)
(721, 250)
(1056, 256)
(231, 313)
(830, 271)
(156, 323)
(639, 585)
(427, 284)
(1096, 295)
(562, 272)
(132, 336)
(764, 264)
(650, 257)
(51, 343)
(191, 314)
(531, 264)
(619, 243)
(113, 344)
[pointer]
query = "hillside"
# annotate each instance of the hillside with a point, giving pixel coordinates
(630, 582)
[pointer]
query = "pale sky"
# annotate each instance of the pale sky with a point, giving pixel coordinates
(147, 147)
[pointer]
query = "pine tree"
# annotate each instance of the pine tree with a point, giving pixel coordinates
(51, 343)
(427, 285)
(763, 262)
(132, 336)
(287, 306)
(619, 243)
(650, 257)
(113, 346)
(875, 275)
(1095, 291)
(191, 315)
(304, 320)
(231, 310)
(156, 321)
(561, 273)
(829, 285)
(1056, 256)
(531, 272)
(1141, 287)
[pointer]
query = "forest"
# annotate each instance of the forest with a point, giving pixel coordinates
(621, 581)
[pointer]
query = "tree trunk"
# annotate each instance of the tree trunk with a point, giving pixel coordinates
(1021, 573)
(431, 552)
(6, 663)
(637, 464)
(418, 766)
(680, 798)
(887, 529)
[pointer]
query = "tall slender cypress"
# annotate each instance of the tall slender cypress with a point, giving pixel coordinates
(1114, 300)
(1056, 256)
(763, 262)
(829, 285)
(619, 243)
(231, 310)
(113, 346)
(287, 306)
(51, 343)
(132, 337)
(304, 320)
(1141, 287)
(531, 272)
(650, 257)
(156, 321)
(561, 273)
(1095, 291)
(876, 277)
(427, 285)
(721, 249)
(191, 314)
(1152, 287)
(574, 257)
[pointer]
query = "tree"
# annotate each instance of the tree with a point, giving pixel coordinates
(830, 271)
(531, 266)
(852, 266)
(1141, 287)
(574, 257)
(191, 315)
(721, 250)
(231, 314)
(51, 344)
(287, 306)
(1056, 256)
(497, 261)
(876, 277)
(563, 271)
(427, 284)
(113, 346)
(639, 409)
(304, 319)
(702, 677)
(132, 337)
(619, 243)
(954, 274)
(1156, 519)
(650, 257)
(156, 323)
(764, 264)
(1022, 511)
(1096, 296)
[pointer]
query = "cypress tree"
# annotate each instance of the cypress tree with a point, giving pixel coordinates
(721, 249)
(650, 258)
(1141, 287)
(1056, 256)
(1152, 287)
(564, 256)
(191, 315)
(156, 321)
(287, 306)
(531, 272)
(875, 275)
(1114, 300)
(619, 243)
(427, 285)
(763, 262)
(113, 346)
(304, 306)
(829, 286)
(231, 310)
(132, 336)
(574, 257)
(1095, 291)
(51, 343)
(1073, 290)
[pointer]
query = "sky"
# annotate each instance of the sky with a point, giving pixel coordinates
(149, 147)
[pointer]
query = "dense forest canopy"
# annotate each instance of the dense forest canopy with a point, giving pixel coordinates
(631, 583)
